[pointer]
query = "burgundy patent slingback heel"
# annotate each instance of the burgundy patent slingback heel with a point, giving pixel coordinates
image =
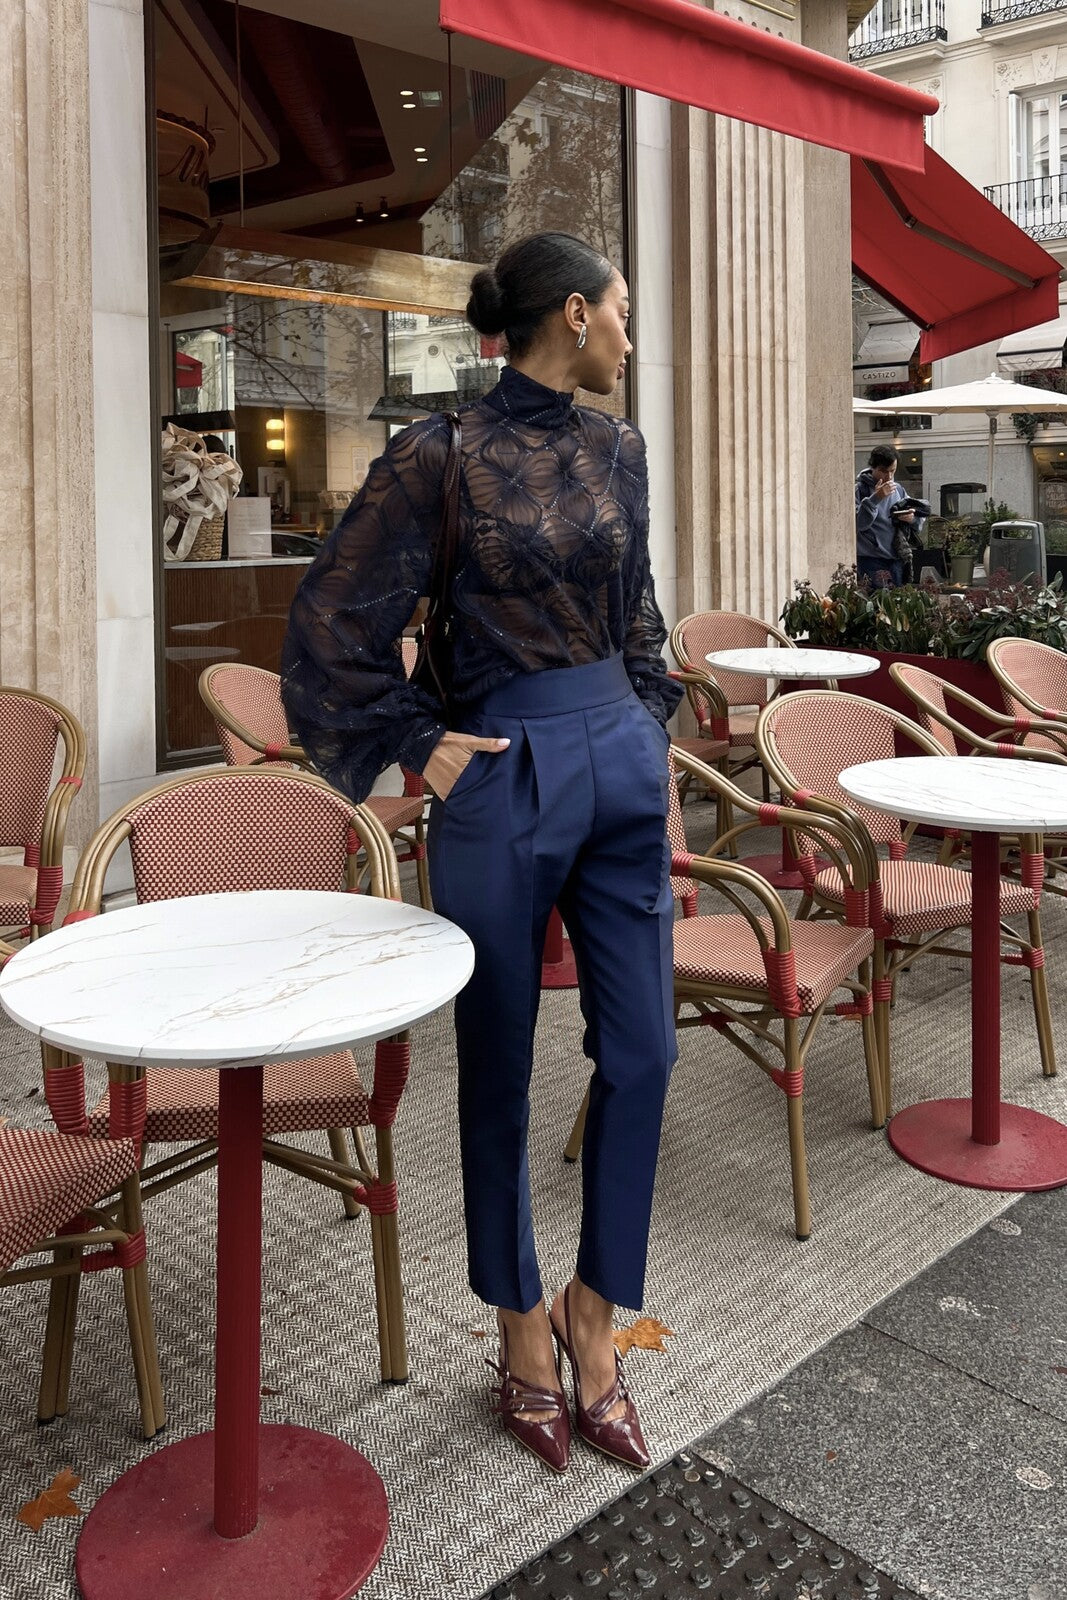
(619, 1437)
(550, 1437)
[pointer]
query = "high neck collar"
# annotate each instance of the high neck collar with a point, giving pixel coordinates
(521, 397)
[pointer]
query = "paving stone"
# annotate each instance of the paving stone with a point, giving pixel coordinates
(953, 1486)
(996, 1306)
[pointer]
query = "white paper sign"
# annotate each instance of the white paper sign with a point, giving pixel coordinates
(249, 527)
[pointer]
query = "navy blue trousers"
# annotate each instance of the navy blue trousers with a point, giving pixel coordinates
(572, 814)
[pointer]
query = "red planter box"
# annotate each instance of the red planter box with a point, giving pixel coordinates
(973, 677)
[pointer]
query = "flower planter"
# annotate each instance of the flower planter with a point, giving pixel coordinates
(973, 677)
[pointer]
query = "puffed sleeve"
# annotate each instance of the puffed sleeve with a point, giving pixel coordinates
(345, 691)
(645, 631)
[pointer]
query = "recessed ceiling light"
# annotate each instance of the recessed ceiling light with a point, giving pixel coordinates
(409, 105)
(420, 149)
(407, 92)
(420, 159)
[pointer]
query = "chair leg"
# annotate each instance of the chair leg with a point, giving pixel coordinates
(573, 1147)
(421, 868)
(58, 1337)
(1039, 996)
(875, 1076)
(387, 1275)
(340, 1152)
(139, 1318)
(797, 1154)
(881, 1025)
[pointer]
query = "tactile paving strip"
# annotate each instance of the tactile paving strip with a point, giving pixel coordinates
(689, 1529)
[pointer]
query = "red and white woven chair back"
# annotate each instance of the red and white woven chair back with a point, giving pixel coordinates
(818, 734)
(932, 689)
(29, 737)
(682, 886)
(728, 630)
(226, 833)
(253, 697)
(1037, 670)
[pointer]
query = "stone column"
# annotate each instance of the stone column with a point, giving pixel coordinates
(831, 471)
(762, 353)
(47, 525)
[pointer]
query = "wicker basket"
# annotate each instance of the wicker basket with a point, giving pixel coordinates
(207, 546)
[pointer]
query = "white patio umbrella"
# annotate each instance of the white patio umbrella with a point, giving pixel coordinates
(993, 395)
(864, 408)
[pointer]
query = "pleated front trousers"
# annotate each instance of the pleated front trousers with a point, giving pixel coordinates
(572, 814)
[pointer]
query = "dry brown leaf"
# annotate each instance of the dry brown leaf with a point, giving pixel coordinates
(831, 1455)
(647, 1333)
(55, 1501)
(478, 1333)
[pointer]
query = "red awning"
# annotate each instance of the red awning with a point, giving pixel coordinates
(676, 49)
(942, 253)
(188, 371)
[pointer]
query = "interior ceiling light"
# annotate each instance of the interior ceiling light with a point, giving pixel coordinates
(409, 105)
(275, 424)
(422, 158)
(275, 444)
(407, 93)
(359, 212)
(420, 149)
(383, 207)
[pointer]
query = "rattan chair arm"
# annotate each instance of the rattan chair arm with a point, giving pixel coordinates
(721, 875)
(701, 684)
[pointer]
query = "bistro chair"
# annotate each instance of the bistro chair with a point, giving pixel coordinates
(756, 975)
(244, 829)
(931, 695)
(246, 703)
(33, 810)
(50, 1188)
(1033, 681)
(806, 739)
(725, 704)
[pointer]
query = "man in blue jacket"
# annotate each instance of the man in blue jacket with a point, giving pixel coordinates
(877, 492)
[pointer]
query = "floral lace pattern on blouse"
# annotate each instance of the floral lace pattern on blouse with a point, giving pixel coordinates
(552, 571)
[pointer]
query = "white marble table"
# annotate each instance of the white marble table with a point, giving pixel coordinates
(981, 1142)
(797, 665)
(234, 981)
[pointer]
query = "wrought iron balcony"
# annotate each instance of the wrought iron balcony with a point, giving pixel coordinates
(899, 25)
(994, 11)
(1037, 205)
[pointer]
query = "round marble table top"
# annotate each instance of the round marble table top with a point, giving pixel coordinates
(988, 794)
(784, 663)
(232, 979)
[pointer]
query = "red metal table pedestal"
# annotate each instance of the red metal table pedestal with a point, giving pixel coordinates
(980, 1142)
(248, 1511)
(558, 967)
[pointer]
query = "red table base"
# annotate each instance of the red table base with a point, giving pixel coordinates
(935, 1136)
(774, 869)
(558, 969)
(322, 1524)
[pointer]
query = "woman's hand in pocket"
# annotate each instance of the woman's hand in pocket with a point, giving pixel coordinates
(451, 755)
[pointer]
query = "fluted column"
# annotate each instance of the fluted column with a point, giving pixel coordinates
(762, 355)
(47, 526)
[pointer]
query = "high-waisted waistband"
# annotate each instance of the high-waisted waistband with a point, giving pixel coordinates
(546, 694)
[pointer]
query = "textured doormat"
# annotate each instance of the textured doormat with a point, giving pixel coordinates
(689, 1529)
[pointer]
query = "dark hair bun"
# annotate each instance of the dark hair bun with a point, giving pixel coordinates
(485, 308)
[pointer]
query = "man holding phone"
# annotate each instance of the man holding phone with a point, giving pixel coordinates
(877, 492)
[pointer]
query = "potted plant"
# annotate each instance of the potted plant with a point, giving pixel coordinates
(961, 545)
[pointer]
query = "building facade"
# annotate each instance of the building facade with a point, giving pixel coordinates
(201, 231)
(999, 69)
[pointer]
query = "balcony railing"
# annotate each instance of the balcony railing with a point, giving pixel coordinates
(994, 11)
(898, 25)
(1037, 205)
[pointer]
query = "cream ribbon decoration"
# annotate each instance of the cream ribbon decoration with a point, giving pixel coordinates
(196, 485)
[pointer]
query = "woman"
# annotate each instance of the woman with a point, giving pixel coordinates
(552, 791)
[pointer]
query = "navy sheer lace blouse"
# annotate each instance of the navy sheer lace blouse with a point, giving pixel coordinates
(553, 571)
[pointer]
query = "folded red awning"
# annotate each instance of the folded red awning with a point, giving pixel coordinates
(188, 371)
(942, 253)
(681, 51)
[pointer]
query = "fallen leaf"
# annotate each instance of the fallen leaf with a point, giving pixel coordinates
(55, 1501)
(478, 1333)
(267, 1391)
(1060, 1370)
(645, 1334)
(831, 1455)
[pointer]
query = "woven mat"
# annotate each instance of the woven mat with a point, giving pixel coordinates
(745, 1300)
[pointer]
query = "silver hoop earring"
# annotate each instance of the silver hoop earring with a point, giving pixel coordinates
(581, 337)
